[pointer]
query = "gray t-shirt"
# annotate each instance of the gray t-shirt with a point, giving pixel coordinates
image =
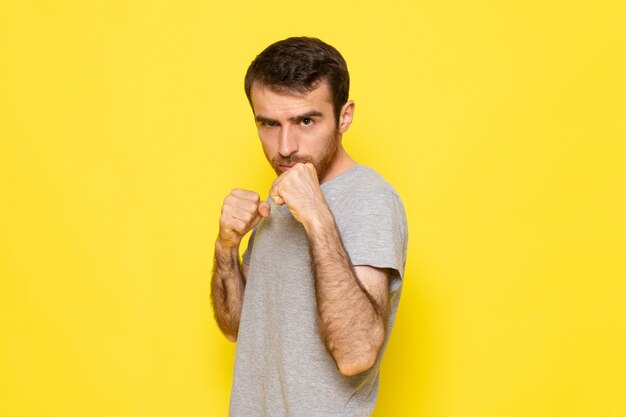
(282, 367)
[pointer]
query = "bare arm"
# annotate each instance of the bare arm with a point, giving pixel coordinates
(352, 301)
(227, 288)
(241, 211)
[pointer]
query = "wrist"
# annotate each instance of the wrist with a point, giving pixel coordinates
(226, 257)
(321, 221)
(225, 247)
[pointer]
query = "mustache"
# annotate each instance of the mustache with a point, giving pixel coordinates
(291, 160)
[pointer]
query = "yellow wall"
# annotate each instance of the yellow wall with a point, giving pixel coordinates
(502, 125)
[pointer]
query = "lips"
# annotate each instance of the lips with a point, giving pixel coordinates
(285, 167)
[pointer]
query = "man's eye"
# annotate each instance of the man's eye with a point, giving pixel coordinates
(269, 124)
(307, 121)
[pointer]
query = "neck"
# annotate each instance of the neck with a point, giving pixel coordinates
(340, 164)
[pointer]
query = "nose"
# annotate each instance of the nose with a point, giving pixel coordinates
(287, 142)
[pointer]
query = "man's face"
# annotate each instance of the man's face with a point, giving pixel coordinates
(296, 127)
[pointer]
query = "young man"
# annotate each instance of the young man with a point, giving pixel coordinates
(312, 304)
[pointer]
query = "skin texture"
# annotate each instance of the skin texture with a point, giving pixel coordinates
(302, 141)
(241, 211)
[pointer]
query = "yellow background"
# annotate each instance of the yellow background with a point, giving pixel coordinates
(502, 125)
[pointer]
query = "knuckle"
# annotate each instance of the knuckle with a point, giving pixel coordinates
(247, 217)
(238, 193)
(229, 200)
(241, 194)
(240, 226)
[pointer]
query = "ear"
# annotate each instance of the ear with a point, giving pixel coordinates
(345, 116)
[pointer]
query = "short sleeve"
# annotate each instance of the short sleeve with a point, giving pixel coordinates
(374, 231)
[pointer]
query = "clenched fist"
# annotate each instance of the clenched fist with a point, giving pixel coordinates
(242, 210)
(299, 189)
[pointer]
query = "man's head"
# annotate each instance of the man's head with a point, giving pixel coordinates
(299, 65)
(298, 90)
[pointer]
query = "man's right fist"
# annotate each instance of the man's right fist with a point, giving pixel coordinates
(242, 210)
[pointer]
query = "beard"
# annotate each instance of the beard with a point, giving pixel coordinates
(321, 163)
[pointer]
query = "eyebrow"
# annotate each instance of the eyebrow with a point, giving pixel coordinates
(264, 119)
(312, 113)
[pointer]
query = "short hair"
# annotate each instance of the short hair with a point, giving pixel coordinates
(300, 64)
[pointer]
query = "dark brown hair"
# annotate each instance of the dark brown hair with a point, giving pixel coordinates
(299, 65)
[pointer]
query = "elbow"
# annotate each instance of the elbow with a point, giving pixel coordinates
(357, 364)
(360, 355)
(229, 332)
(354, 361)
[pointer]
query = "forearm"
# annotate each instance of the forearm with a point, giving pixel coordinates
(227, 289)
(351, 322)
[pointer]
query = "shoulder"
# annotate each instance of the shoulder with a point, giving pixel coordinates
(370, 218)
(361, 191)
(362, 183)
